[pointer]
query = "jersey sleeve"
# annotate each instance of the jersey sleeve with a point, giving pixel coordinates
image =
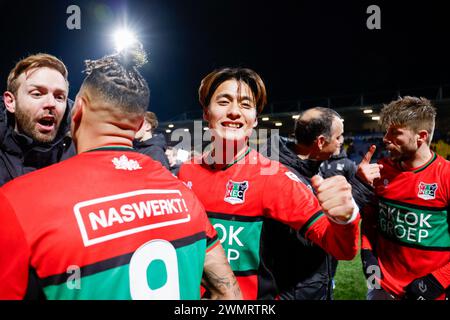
(14, 255)
(286, 199)
(211, 236)
(293, 203)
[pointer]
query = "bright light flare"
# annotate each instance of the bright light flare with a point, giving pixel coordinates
(124, 38)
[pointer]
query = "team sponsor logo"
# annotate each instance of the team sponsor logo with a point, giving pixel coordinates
(123, 163)
(235, 192)
(120, 215)
(240, 241)
(427, 191)
(413, 226)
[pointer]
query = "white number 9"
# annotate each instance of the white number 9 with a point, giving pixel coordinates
(162, 255)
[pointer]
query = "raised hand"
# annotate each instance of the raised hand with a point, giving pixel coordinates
(335, 197)
(369, 172)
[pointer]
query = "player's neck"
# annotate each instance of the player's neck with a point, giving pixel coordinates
(88, 140)
(421, 157)
(227, 153)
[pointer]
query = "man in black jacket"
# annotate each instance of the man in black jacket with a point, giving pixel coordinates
(149, 143)
(34, 117)
(306, 273)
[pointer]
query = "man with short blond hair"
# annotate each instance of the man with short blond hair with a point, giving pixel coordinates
(34, 116)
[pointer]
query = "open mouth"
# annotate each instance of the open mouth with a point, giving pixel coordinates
(47, 123)
(232, 125)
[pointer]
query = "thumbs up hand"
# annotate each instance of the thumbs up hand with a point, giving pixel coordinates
(335, 197)
(369, 172)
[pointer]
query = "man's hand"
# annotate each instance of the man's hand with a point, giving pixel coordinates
(335, 197)
(366, 171)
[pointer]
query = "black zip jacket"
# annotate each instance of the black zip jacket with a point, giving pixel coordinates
(19, 154)
(155, 147)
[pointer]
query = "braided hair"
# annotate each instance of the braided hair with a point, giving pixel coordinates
(117, 79)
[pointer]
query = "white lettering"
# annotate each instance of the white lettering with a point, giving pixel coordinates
(424, 220)
(127, 212)
(113, 216)
(230, 255)
(164, 207)
(413, 221)
(233, 235)
(101, 219)
(155, 208)
(144, 207)
(422, 234)
(223, 231)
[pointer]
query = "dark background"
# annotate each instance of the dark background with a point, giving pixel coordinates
(302, 49)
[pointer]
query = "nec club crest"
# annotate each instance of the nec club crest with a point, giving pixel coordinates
(427, 191)
(235, 192)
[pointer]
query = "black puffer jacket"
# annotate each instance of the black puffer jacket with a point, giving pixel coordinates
(339, 165)
(155, 147)
(306, 273)
(19, 154)
(302, 270)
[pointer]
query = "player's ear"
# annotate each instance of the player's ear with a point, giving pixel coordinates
(321, 140)
(256, 121)
(423, 137)
(206, 114)
(77, 109)
(10, 101)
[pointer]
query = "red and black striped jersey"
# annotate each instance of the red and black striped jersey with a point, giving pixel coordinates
(241, 197)
(110, 223)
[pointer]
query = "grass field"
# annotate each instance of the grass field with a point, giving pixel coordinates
(350, 281)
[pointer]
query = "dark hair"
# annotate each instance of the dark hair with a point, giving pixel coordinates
(117, 79)
(213, 80)
(307, 129)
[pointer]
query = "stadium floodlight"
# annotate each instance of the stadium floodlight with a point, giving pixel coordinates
(124, 38)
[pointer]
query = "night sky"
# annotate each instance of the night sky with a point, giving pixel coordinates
(302, 49)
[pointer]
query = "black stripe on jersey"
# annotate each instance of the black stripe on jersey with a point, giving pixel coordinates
(414, 206)
(245, 273)
(211, 240)
(410, 245)
(308, 223)
(232, 217)
(114, 262)
(113, 149)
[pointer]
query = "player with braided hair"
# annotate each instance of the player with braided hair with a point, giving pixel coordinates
(109, 223)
